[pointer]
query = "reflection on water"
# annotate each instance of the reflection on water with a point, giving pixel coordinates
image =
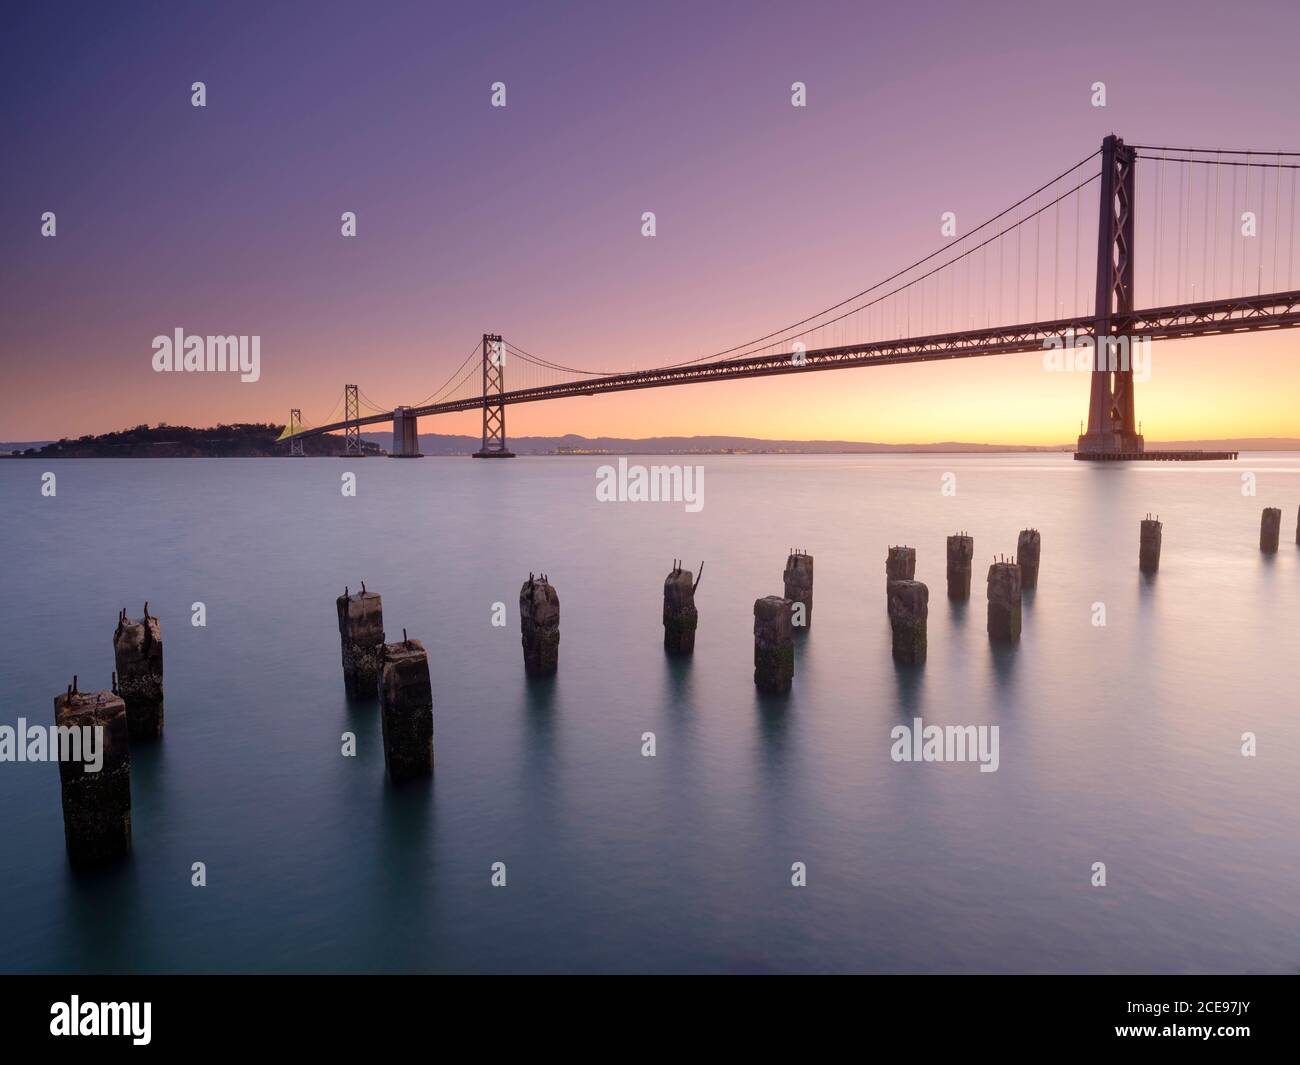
(1120, 742)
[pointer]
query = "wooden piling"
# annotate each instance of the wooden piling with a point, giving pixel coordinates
(539, 620)
(1149, 544)
(900, 565)
(96, 806)
(909, 607)
(961, 550)
(1270, 529)
(138, 651)
(799, 584)
(680, 616)
(773, 644)
(361, 633)
(406, 710)
(1028, 546)
(1004, 602)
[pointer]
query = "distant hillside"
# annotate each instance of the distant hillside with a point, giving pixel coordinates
(6, 446)
(260, 441)
(572, 444)
(179, 441)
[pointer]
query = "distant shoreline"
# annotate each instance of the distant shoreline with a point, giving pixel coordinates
(262, 441)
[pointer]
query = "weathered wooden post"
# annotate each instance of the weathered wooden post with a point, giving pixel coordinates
(96, 805)
(909, 607)
(361, 632)
(900, 565)
(1028, 545)
(137, 649)
(799, 585)
(1270, 529)
(680, 616)
(773, 644)
(1004, 602)
(1149, 545)
(961, 549)
(406, 710)
(539, 618)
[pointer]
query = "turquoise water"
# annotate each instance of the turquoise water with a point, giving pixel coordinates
(1118, 744)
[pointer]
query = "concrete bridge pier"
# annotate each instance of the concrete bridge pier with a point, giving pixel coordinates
(1004, 602)
(1028, 546)
(406, 435)
(406, 710)
(539, 619)
(96, 806)
(1270, 529)
(799, 582)
(1149, 544)
(773, 644)
(680, 616)
(961, 549)
(909, 607)
(138, 653)
(361, 633)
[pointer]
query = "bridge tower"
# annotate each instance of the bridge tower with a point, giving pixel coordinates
(1112, 427)
(351, 422)
(494, 412)
(295, 426)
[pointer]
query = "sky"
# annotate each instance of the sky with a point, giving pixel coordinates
(526, 220)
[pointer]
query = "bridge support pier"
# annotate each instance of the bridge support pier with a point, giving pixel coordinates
(1149, 545)
(961, 549)
(909, 609)
(138, 653)
(361, 633)
(494, 411)
(1004, 602)
(1270, 529)
(773, 644)
(680, 616)
(406, 435)
(96, 806)
(406, 710)
(799, 584)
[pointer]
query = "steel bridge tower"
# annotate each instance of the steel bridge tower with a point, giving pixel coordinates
(494, 412)
(351, 422)
(295, 426)
(1112, 427)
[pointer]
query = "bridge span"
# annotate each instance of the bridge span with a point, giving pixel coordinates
(1111, 431)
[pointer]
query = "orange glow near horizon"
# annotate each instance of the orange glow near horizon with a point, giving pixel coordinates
(1212, 388)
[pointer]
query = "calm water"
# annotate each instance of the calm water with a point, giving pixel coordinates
(1118, 744)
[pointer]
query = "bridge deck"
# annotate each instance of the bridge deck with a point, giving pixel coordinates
(1277, 310)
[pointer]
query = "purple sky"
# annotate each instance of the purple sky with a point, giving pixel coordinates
(525, 220)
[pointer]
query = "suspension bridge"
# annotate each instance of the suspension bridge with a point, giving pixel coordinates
(1216, 224)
